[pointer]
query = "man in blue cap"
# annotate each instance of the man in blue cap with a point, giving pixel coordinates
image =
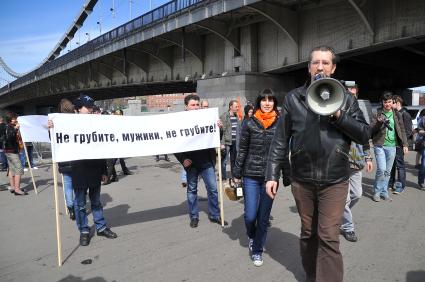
(87, 176)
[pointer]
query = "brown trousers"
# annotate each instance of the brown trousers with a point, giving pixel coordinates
(321, 210)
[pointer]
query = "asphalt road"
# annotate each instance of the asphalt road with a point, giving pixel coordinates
(148, 211)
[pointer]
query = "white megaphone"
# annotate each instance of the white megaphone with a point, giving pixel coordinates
(325, 96)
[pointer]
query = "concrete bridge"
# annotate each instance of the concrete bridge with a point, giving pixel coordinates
(234, 48)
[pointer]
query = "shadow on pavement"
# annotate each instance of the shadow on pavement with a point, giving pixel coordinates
(119, 216)
(41, 184)
(282, 247)
(415, 276)
(73, 278)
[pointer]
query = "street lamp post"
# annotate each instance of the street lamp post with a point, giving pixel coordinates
(113, 9)
(100, 27)
(131, 14)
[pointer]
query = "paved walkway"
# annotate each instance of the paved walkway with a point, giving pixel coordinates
(148, 211)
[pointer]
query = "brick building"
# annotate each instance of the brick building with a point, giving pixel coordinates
(165, 101)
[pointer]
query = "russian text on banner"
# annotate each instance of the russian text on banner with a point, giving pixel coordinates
(79, 136)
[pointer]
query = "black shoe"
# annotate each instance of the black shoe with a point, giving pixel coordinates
(107, 233)
(349, 236)
(114, 179)
(71, 213)
(217, 220)
(194, 222)
(127, 172)
(167, 159)
(20, 193)
(84, 239)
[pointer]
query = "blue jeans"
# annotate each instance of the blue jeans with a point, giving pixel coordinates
(69, 192)
(96, 208)
(384, 156)
(208, 175)
(3, 160)
(230, 150)
(354, 194)
(258, 206)
(22, 158)
(421, 175)
(30, 150)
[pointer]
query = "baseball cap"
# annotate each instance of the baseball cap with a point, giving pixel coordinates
(84, 101)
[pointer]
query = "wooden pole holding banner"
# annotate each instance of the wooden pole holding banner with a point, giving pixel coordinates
(220, 186)
(58, 230)
(64, 197)
(29, 166)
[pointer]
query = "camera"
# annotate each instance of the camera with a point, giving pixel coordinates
(386, 122)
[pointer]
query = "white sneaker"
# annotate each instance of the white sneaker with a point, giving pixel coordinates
(257, 259)
(34, 167)
(25, 169)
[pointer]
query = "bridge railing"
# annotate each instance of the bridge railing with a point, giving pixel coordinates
(136, 24)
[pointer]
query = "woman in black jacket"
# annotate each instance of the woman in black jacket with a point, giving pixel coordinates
(251, 162)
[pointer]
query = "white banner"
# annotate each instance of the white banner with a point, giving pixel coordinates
(89, 136)
(34, 128)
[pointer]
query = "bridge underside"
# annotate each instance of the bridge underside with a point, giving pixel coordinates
(217, 45)
(135, 90)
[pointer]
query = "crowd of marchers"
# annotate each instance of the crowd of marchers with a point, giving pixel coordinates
(320, 156)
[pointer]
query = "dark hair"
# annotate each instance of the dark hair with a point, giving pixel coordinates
(387, 95)
(246, 109)
(324, 48)
(11, 117)
(66, 106)
(266, 93)
(397, 98)
(231, 103)
(190, 97)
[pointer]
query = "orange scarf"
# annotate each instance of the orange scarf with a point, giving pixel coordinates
(266, 119)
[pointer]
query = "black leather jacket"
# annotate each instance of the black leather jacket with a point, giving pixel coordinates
(87, 173)
(319, 145)
(254, 147)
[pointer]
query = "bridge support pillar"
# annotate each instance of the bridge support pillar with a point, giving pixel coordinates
(242, 87)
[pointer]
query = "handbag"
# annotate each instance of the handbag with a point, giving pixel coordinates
(234, 191)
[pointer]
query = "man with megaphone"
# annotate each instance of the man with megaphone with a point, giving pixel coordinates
(318, 137)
